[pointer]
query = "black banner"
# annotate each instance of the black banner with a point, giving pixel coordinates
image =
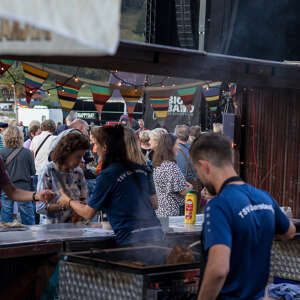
(177, 113)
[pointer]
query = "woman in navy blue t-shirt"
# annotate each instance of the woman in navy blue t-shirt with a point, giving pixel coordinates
(123, 191)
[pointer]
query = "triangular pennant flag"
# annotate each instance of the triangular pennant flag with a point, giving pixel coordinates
(160, 103)
(5, 65)
(187, 96)
(67, 91)
(34, 79)
(131, 98)
(100, 96)
(211, 93)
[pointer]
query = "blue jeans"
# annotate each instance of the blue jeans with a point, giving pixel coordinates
(25, 209)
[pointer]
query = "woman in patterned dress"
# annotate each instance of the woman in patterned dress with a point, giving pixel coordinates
(63, 172)
(170, 183)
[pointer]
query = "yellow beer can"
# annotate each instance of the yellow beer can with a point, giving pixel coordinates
(190, 207)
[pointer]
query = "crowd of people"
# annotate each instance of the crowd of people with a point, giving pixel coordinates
(67, 157)
(71, 172)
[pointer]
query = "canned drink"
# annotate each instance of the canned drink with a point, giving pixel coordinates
(190, 207)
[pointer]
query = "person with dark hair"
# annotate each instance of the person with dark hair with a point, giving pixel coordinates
(64, 173)
(68, 121)
(40, 145)
(123, 191)
(239, 226)
(33, 131)
(78, 125)
(3, 127)
(195, 132)
(169, 181)
(124, 120)
(183, 157)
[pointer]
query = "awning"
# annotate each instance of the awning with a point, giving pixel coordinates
(56, 27)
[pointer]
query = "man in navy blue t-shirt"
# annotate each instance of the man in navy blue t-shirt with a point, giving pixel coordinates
(239, 225)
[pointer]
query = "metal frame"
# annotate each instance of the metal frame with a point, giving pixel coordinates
(177, 62)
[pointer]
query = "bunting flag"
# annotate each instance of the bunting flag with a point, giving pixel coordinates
(34, 79)
(67, 91)
(5, 65)
(100, 96)
(131, 97)
(211, 93)
(160, 103)
(187, 96)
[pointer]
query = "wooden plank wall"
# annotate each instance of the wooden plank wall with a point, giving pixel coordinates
(269, 142)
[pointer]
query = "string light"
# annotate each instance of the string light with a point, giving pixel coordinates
(75, 77)
(145, 82)
(31, 92)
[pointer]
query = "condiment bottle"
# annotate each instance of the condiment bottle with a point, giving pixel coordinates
(190, 207)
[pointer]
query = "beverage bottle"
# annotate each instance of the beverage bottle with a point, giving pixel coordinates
(190, 207)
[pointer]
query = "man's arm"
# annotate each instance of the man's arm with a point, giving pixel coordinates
(216, 272)
(154, 201)
(82, 210)
(22, 195)
(289, 234)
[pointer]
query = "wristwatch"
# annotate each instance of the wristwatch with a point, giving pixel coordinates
(33, 196)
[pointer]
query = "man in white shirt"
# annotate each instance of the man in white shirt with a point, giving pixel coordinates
(78, 125)
(40, 145)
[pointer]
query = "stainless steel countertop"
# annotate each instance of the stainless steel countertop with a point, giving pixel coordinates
(54, 233)
(67, 232)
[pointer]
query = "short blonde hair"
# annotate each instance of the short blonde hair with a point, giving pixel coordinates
(157, 133)
(218, 128)
(12, 122)
(13, 137)
(144, 136)
(34, 123)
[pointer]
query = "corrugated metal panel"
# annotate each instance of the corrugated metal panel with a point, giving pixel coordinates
(272, 143)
